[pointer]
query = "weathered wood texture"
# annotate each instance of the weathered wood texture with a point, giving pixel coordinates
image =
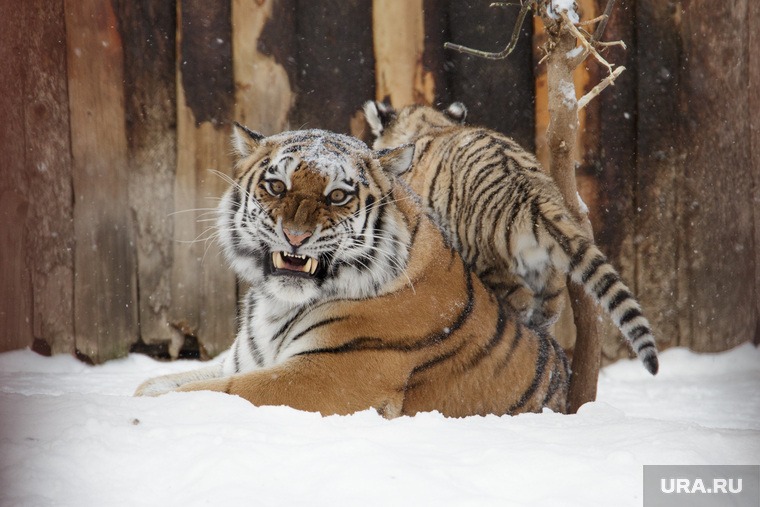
(202, 286)
(399, 43)
(116, 112)
(753, 17)
(498, 94)
(263, 88)
(147, 29)
(16, 288)
(105, 285)
(694, 237)
(36, 249)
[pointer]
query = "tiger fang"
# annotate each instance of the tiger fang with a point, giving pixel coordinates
(297, 263)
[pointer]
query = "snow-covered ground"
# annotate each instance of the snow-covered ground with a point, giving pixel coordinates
(72, 435)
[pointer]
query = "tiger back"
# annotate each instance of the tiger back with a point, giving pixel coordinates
(357, 300)
(507, 218)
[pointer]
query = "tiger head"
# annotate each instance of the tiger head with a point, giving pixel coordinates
(310, 215)
(394, 128)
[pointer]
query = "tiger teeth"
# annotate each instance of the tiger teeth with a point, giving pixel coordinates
(310, 265)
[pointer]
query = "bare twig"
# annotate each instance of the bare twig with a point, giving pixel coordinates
(588, 48)
(609, 80)
(603, 24)
(591, 21)
(512, 41)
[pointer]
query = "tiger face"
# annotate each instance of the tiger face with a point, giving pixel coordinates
(301, 220)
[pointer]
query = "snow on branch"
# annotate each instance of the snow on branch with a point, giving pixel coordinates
(563, 12)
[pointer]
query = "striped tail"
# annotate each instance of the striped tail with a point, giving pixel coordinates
(590, 268)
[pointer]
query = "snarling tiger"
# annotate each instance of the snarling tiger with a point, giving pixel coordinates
(506, 217)
(357, 300)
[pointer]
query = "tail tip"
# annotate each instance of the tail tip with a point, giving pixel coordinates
(651, 363)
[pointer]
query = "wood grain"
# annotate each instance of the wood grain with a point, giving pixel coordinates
(105, 295)
(202, 286)
(148, 32)
(398, 31)
(16, 327)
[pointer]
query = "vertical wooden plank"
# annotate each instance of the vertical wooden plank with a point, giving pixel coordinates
(398, 31)
(435, 58)
(498, 94)
(16, 288)
(148, 30)
(335, 64)
(203, 287)
(105, 299)
(753, 17)
(716, 265)
(263, 89)
(48, 165)
(659, 170)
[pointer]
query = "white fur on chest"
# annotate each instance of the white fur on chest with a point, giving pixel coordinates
(269, 334)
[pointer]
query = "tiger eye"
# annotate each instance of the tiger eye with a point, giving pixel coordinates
(276, 187)
(337, 195)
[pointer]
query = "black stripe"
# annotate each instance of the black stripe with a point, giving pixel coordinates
(421, 147)
(578, 255)
(637, 332)
(235, 357)
(286, 325)
(646, 345)
(541, 360)
(557, 376)
(255, 352)
(621, 296)
(560, 238)
(496, 338)
(604, 284)
(429, 364)
(535, 214)
(595, 264)
(318, 325)
(629, 315)
(447, 150)
(517, 338)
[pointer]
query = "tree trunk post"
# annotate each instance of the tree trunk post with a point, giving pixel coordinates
(562, 59)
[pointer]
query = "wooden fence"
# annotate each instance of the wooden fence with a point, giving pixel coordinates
(115, 113)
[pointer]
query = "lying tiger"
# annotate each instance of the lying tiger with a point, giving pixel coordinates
(357, 300)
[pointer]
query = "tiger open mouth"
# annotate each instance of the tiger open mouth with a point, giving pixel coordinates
(285, 263)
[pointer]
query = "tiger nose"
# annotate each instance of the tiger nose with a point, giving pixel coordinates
(296, 239)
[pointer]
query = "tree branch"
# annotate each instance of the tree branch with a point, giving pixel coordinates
(512, 41)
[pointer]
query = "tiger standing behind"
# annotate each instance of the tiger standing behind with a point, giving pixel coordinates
(356, 298)
(506, 217)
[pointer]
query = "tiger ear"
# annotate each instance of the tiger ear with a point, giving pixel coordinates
(396, 161)
(457, 112)
(245, 140)
(379, 115)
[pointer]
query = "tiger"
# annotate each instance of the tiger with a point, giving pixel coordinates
(506, 217)
(356, 299)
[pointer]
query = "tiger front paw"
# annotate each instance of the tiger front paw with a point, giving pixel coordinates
(156, 386)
